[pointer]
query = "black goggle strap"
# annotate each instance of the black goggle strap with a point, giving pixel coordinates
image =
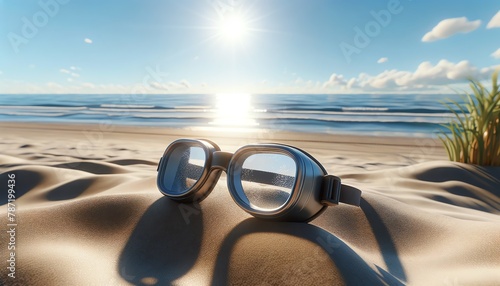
(333, 192)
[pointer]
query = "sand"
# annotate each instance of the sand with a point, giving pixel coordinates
(88, 213)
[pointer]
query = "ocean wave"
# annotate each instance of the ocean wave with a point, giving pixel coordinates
(358, 120)
(370, 110)
(42, 107)
(139, 114)
(365, 109)
(343, 113)
(127, 106)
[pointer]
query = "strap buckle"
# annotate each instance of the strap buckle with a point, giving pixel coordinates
(330, 190)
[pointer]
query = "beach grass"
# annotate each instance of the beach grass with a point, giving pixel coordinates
(475, 130)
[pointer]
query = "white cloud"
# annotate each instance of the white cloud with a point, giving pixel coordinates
(115, 88)
(87, 40)
(70, 87)
(426, 76)
(159, 86)
(69, 72)
(54, 86)
(73, 68)
(449, 27)
(335, 80)
(496, 54)
(298, 81)
(88, 85)
(1, 72)
(173, 85)
(182, 85)
(382, 60)
(495, 21)
(185, 83)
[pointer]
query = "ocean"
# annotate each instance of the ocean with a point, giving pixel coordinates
(414, 115)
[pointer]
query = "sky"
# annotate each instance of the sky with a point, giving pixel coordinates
(260, 46)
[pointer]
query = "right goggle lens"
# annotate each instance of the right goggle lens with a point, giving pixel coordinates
(267, 180)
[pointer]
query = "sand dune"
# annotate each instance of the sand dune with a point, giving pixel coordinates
(97, 218)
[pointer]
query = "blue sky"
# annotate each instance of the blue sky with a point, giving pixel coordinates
(266, 46)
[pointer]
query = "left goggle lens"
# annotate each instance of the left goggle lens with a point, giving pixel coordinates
(184, 166)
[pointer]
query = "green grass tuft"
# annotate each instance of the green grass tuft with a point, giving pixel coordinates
(475, 131)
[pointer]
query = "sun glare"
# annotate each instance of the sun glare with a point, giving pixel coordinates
(234, 110)
(233, 28)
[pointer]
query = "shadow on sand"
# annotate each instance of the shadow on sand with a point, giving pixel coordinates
(162, 247)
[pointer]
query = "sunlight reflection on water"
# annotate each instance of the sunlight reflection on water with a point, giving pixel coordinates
(234, 110)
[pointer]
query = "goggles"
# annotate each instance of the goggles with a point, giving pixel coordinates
(269, 181)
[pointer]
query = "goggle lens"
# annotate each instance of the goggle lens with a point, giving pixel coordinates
(187, 163)
(267, 180)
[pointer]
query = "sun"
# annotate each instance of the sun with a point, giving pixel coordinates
(233, 28)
